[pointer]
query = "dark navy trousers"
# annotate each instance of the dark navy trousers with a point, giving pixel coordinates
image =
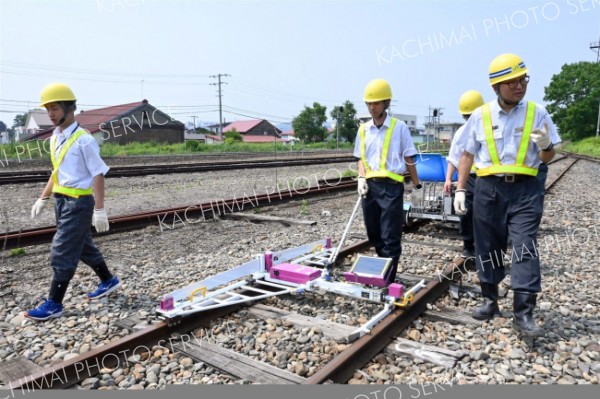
(465, 225)
(504, 210)
(541, 176)
(383, 214)
(73, 238)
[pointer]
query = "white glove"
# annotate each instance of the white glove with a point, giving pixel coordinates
(363, 188)
(460, 207)
(416, 197)
(39, 205)
(541, 138)
(100, 220)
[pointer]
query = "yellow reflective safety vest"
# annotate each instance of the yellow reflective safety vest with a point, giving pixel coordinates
(382, 172)
(519, 168)
(56, 188)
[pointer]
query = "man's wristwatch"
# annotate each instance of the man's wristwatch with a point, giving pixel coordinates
(418, 186)
(551, 146)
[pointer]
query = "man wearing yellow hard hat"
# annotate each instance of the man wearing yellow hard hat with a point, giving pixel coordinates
(385, 149)
(468, 102)
(507, 139)
(77, 184)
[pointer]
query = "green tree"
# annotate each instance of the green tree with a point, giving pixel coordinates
(574, 94)
(2, 126)
(345, 116)
(233, 136)
(20, 120)
(308, 125)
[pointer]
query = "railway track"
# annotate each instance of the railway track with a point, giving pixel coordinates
(338, 370)
(36, 176)
(170, 217)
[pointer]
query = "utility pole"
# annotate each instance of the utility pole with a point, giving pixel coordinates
(598, 123)
(595, 47)
(219, 83)
(194, 118)
(142, 85)
(337, 127)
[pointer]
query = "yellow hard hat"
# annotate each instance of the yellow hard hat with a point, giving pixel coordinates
(506, 67)
(469, 101)
(377, 90)
(55, 92)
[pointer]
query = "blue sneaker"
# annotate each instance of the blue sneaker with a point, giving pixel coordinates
(105, 288)
(47, 310)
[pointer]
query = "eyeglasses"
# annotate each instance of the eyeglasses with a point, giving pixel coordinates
(514, 83)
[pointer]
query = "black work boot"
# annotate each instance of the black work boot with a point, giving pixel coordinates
(489, 309)
(523, 321)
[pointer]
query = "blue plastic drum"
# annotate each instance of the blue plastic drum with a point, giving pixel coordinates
(431, 167)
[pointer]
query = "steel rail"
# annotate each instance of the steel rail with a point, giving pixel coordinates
(69, 372)
(561, 174)
(35, 176)
(342, 367)
(173, 216)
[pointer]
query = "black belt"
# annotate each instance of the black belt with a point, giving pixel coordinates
(509, 178)
(385, 180)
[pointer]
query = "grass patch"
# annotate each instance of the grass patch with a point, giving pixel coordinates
(17, 252)
(349, 173)
(40, 149)
(589, 146)
(304, 207)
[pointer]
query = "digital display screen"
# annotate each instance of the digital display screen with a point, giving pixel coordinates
(370, 266)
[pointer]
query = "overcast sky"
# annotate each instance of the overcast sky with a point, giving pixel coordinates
(281, 55)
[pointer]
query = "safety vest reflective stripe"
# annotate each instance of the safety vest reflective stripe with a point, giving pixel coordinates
(56, 188)
(382, 172)
(497, 168)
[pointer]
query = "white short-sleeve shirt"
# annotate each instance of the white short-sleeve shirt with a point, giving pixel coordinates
(82, 162)
(459, 142)
(508, 130)
(401, 145)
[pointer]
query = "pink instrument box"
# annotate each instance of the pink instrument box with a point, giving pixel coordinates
(396, 290)
(294, 273)
(377, 281)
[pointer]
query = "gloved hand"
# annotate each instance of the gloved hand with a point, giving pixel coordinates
(416, 197)
(363, 188)
(39, 205)
(460, 207)
(541, 138)
(100, 220)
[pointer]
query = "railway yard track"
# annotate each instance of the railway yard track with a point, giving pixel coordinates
(35, 176)
(310, 337)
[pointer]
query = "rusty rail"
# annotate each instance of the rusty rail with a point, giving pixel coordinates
(191, 213)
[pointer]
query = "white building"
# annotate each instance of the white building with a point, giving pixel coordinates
(37, 120)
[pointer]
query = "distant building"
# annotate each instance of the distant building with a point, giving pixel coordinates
(289, 136)
(4, 139)
(444, 131)
(191, 135)
(127, 123)
(213, 139)
(255, 130)
(36, 121)
(215, 127)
